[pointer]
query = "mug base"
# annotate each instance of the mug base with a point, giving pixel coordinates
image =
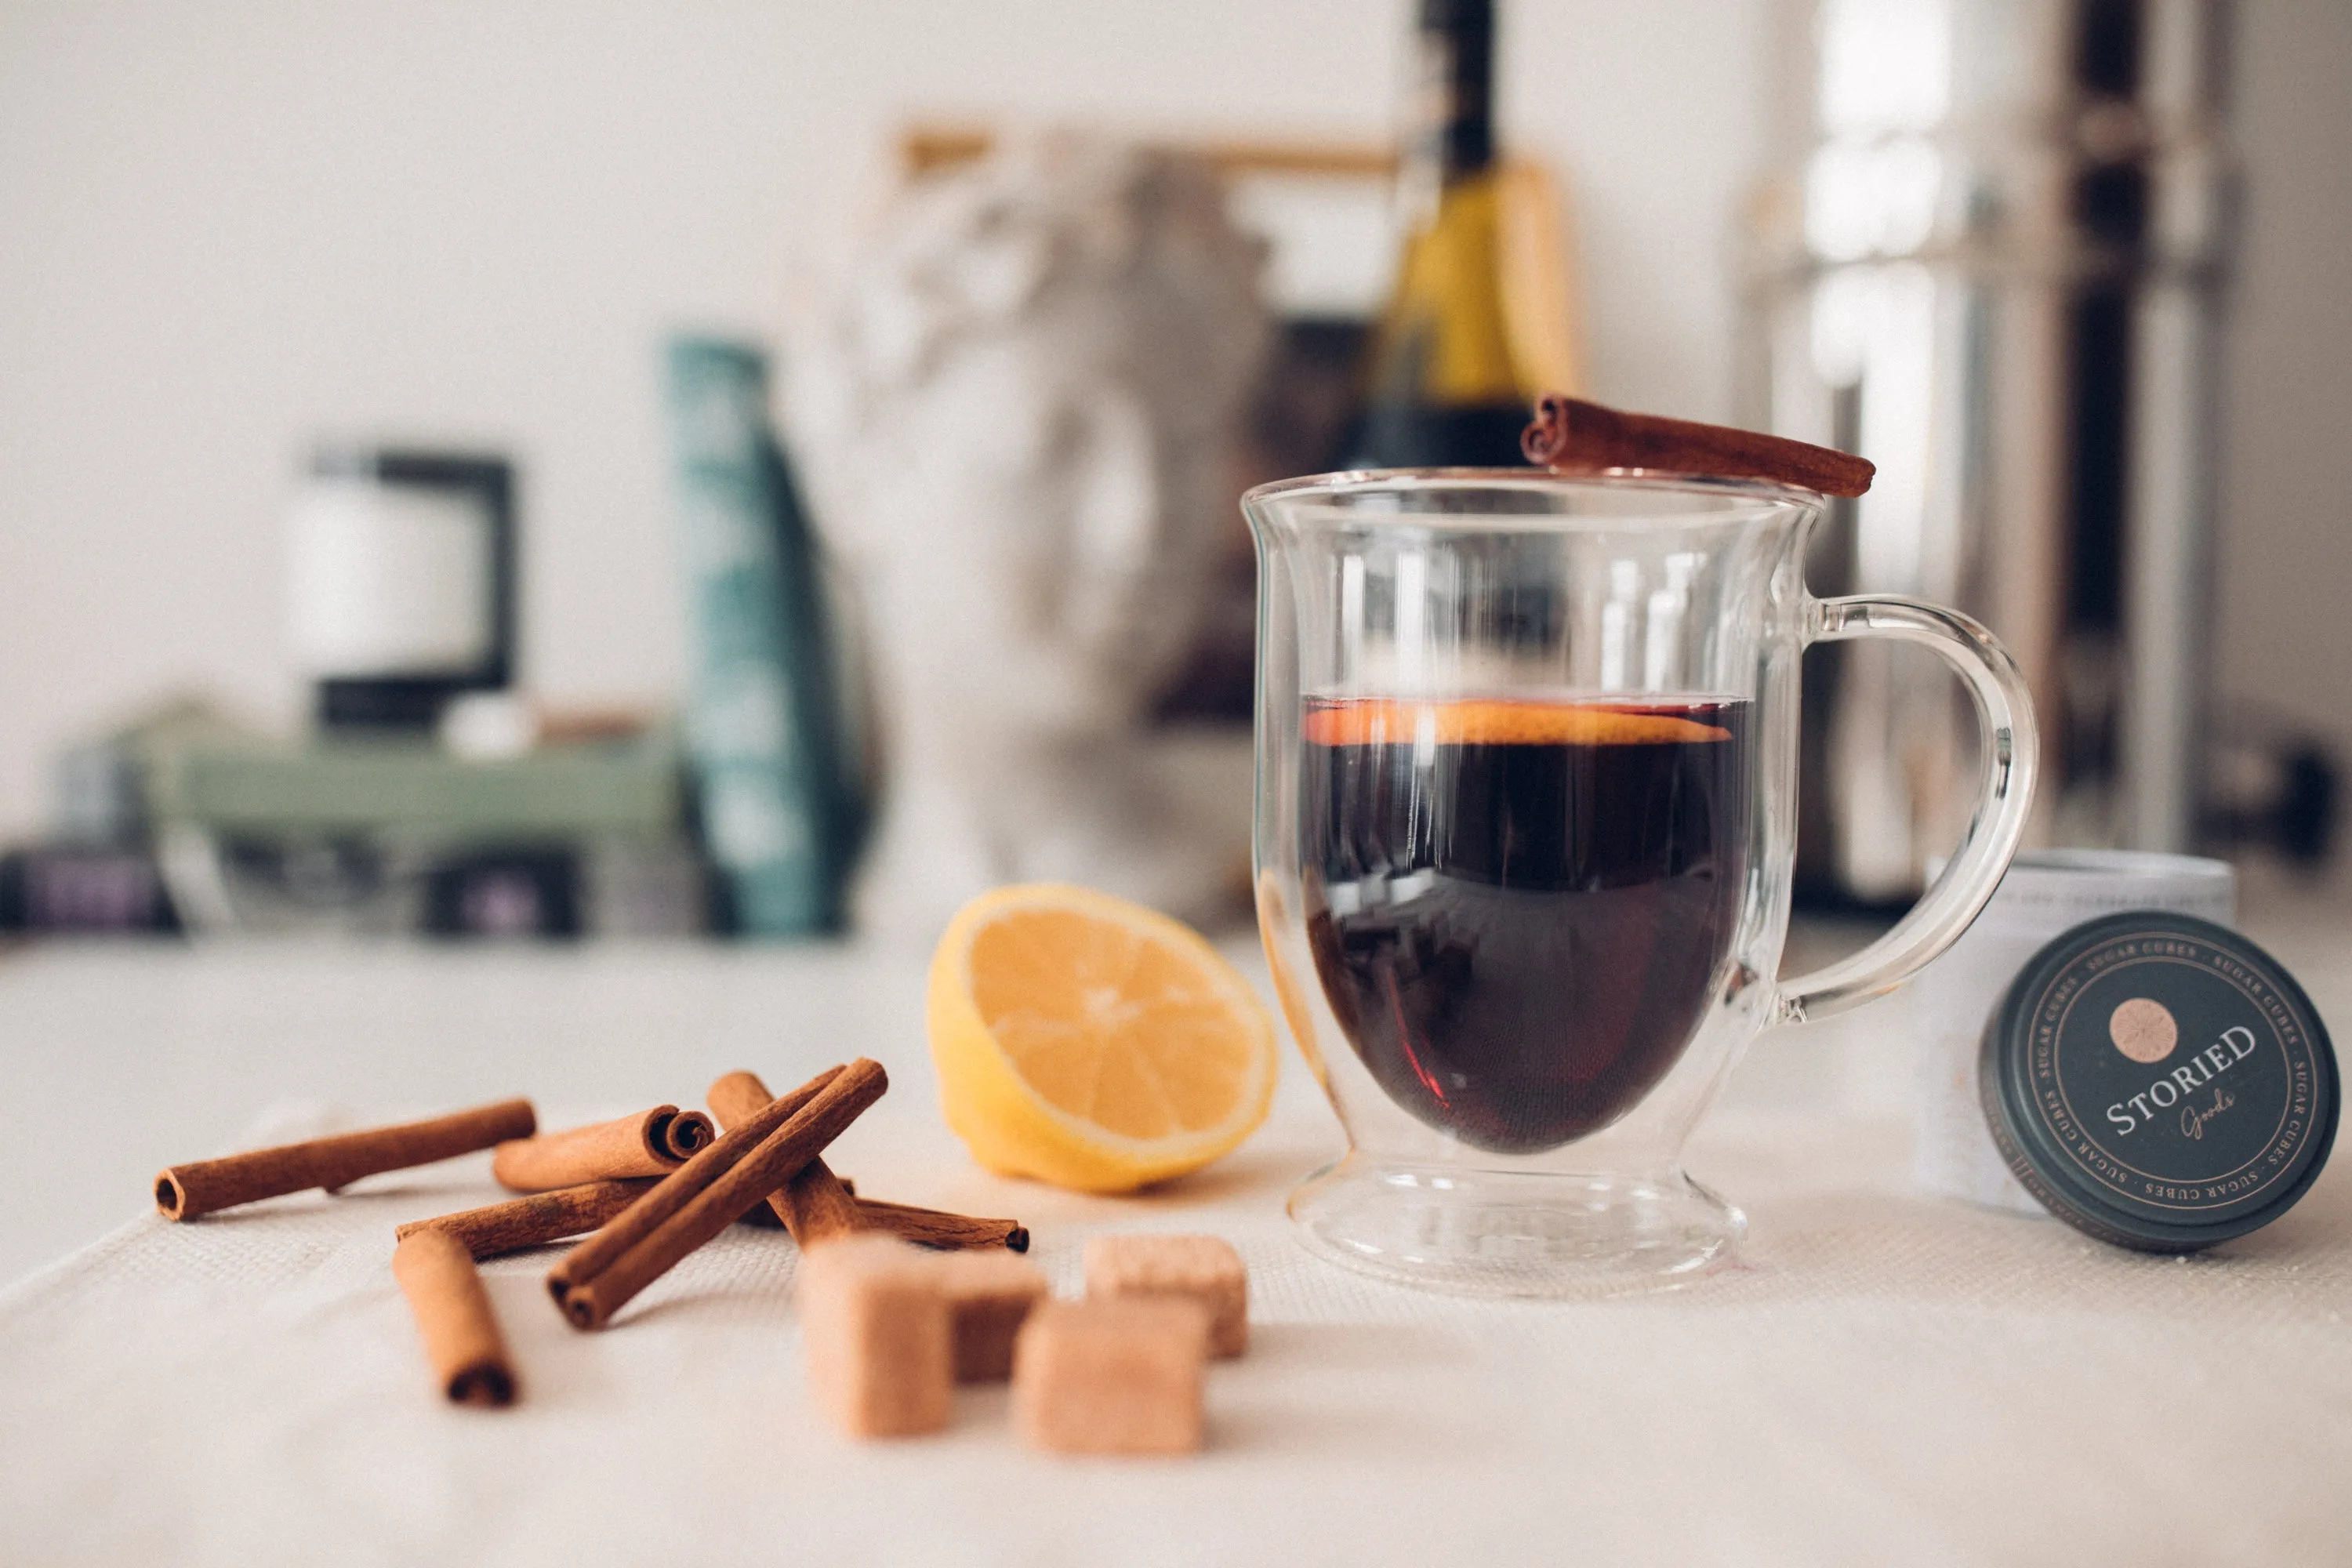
(1510, 1233)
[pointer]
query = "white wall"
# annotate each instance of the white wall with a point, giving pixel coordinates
(227, 228)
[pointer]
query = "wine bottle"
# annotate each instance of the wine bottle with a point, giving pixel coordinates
(1442, 382)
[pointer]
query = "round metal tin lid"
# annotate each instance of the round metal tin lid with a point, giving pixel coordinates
(2159, 1082)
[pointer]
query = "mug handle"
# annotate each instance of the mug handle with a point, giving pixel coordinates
(2004, 796)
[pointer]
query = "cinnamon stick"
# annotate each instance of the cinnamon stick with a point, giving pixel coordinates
(816, 1208)
(779, 1155)
(810, 1215)
(675, 1191)
(640, 1145)
(816, 1204)
(1570, 435)
(764, 1216)
(453, 1318)
(535, 1220)
(202, 1186)
(938, 1228)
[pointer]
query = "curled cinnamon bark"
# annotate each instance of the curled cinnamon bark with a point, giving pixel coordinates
(1570, 435)
(646, 1144)
(688, 1134)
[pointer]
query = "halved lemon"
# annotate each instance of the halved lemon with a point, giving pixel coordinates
(1093, 1043)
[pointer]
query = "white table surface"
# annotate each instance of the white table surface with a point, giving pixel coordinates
(1882, 1378)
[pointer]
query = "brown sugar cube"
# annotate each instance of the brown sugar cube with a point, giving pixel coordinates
(989, 1294)
(881, 1358)
(1117, 1376)
(1204, 1268)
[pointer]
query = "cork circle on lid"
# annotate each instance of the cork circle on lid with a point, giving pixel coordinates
(2159, 1082)
(2143, 1028)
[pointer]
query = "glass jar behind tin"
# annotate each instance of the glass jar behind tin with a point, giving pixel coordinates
(2044, 893)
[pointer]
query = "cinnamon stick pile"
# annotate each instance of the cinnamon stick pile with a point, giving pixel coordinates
(710, 1193)
(646, 1190)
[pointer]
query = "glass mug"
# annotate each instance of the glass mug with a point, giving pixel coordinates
(1527, 763)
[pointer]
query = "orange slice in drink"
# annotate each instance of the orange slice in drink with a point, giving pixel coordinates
(1477, 722)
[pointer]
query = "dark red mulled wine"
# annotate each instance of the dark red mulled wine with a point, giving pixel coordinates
(1520, 910)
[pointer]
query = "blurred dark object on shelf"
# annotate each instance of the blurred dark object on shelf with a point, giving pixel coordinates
(779, 770)
(403, 593)
(504, 894)
(95, 872)
(1310, 393)
(354, 886)
(83, 889)
(1301, 413)
(1994, 263)
(2269, 783)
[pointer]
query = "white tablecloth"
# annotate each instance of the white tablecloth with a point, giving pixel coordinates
(1882, 1378)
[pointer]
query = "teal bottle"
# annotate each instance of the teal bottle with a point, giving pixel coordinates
(767, 731)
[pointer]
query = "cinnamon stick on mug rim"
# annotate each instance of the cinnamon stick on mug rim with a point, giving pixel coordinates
(644, 1145)
(799, 1139)
(535, 1220)
(1570, 435)
(454, 1318)
(204, 1186)
(675, 1191)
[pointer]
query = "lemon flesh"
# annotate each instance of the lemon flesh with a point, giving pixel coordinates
(1093, 1043)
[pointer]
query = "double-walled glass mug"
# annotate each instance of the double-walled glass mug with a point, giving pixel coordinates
(1526, 762)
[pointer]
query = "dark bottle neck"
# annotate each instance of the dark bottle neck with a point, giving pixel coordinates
(1453, 133)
